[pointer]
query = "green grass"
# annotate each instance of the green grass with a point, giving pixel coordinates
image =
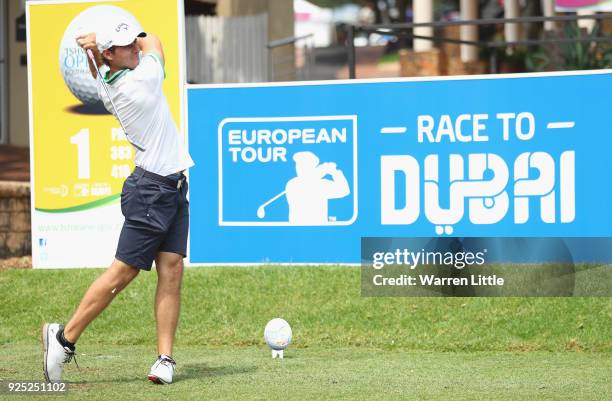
(248, 373)
(389, 58)
(345, 346)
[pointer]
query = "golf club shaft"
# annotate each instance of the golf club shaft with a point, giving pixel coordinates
(93, 60)
(273, 199)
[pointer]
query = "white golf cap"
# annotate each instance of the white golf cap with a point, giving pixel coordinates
(120, 31)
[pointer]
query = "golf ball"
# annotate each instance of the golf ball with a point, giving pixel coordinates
(278, 334)
(73, 60)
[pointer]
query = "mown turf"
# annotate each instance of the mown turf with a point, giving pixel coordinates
(345, 346)
(355, 373)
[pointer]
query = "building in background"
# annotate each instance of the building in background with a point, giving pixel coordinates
(258, 41)
(316, 21)
(13, 73)
(233, 43)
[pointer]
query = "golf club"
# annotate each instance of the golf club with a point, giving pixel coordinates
(93, 60)
(261, 210)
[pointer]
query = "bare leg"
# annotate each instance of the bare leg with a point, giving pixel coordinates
(167, 299)
(99, 295)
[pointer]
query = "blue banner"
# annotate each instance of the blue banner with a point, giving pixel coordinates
(298, 173)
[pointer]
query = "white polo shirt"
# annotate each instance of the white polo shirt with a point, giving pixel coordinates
(144, 111)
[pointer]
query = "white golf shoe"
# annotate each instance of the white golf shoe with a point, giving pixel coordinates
(162, 370)
(55, 355)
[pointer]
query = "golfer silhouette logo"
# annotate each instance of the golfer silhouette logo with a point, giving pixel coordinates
(309, 192)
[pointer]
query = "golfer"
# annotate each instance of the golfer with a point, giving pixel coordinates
(153, 200)
(308, 193)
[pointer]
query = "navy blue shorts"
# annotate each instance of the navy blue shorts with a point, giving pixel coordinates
(156, 214)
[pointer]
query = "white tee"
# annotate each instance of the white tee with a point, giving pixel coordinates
(144, 111)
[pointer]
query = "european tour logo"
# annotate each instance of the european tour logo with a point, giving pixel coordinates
(287, 171)
(302, 171)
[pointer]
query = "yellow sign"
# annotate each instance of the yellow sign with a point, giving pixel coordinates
(80, 154)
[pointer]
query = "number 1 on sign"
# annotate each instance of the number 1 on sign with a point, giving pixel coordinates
(81, 139)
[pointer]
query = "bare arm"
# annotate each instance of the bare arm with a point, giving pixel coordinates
(88, 42)
(151, 44)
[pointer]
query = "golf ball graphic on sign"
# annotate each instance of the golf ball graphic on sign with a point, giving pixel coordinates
(73, 60)
(277, 334)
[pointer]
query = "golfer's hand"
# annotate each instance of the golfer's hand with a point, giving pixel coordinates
(87, 41)
(328, 168)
